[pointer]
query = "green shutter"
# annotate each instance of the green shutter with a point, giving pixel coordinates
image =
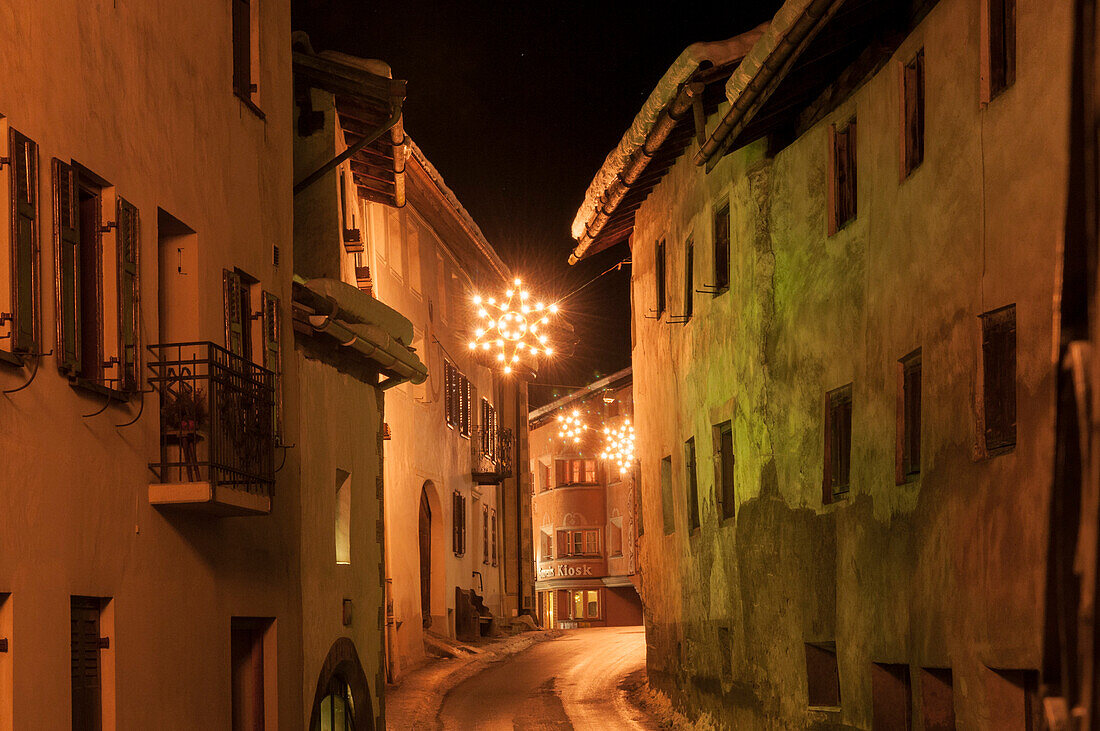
(272, 323)
(24, 193)
(127, 233)
(234, 318)
(67, 246)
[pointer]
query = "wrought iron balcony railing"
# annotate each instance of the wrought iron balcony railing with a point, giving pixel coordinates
(492, 454)
(217, 423)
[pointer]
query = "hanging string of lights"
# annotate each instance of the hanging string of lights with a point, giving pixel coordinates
(513, 329)
(619, 445)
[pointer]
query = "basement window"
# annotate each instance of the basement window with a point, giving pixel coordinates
(999, 379)
(842, 176)
(937, 699)
(891, 696)
(998, 48)
(692, 479)
(722, 248)
(912, 114)
(908, 419)
(1013, 700)
(822, 675)
(838, 442)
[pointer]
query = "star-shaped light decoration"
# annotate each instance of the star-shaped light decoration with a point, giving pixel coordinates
(571, 427)
(513, 330)
(619, 446)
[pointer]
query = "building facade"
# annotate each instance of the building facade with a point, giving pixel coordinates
(175, 408)
(456, 513)
(583, 509)
(843, 373)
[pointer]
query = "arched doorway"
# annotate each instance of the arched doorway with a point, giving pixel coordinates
(342, 701)
(425, 534)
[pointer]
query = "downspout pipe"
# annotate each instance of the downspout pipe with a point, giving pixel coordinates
(773, 68)
(394, 118)
(637, 164)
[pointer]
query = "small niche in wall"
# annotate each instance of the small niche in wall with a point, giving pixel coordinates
(891, 696)
(937, 699)
(1012, 700)
(822, 675)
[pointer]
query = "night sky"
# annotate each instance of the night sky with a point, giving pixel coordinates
(517, 106)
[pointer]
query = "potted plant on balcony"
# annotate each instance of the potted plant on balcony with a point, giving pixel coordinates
(184, 411)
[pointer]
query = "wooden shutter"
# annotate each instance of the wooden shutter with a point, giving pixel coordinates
(722, 247)
(67, 251)
(913, 111)
(272, 335)
(464, 405)
(242, 47)
(493, 535)
(24, 193)
(234, 317)
(999, 371)
(689, 279)
(127, 237)
(659, 271)
(485, 535)
(84, 656)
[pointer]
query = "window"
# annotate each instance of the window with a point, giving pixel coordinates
(937, 699)
(999, 47)
(546, 545)
(576, 472)
(891, 696)
(691, 478)
(584, 604)
(87, 641)
(272, 340)
(573, 543)
(615, 536)
(245, 51)
(456, 398)
(723, 447)
(999, 379)
(842, 176)
(22, 316)
(545, 481)
(722, 248)
(1013, 700)
(249, 684)
(667, 511)
(458, 517)
(908, 420)
(659, 273)
(337, 711)
(493, 536)
(838, 442)
(822, 677)
(484, 534)
(97, 282)
(912, 114)
(489, 429)
(237, 297)
(689, 280)
(343, 517)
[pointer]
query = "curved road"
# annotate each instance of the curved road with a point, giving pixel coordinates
(570, 682)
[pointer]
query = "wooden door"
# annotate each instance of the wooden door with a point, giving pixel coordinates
(425, 559)
(84, 618)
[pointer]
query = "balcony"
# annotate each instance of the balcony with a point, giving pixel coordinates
(492, 454)
(217, 431)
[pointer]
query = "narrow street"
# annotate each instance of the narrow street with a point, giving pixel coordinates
(571, 682)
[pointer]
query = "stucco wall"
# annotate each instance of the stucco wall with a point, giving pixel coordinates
(141, 94)
(946, 570)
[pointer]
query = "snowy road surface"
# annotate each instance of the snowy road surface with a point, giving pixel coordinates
(570, 682)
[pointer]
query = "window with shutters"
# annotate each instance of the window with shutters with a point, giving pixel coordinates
(465, 396)
(87, 643)
(237, 293)
(998, 47)
(722, 248)
(251, 689)
(246, 48)
(912, 114)
(668, 512)
(97, 282)
(458, 527)
(576, 472)
(489, 428)
(689, 280)
(723, 467)
(577, 543)
(659, 270)
(842, 176)
(908, 418)
(838, 442)
(999, 379)
(691, 480)
(457, 397)
(546, 545)
(19, 320)
(493, 536)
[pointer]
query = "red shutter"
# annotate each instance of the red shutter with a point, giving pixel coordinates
(24, 193)
(67, 250)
